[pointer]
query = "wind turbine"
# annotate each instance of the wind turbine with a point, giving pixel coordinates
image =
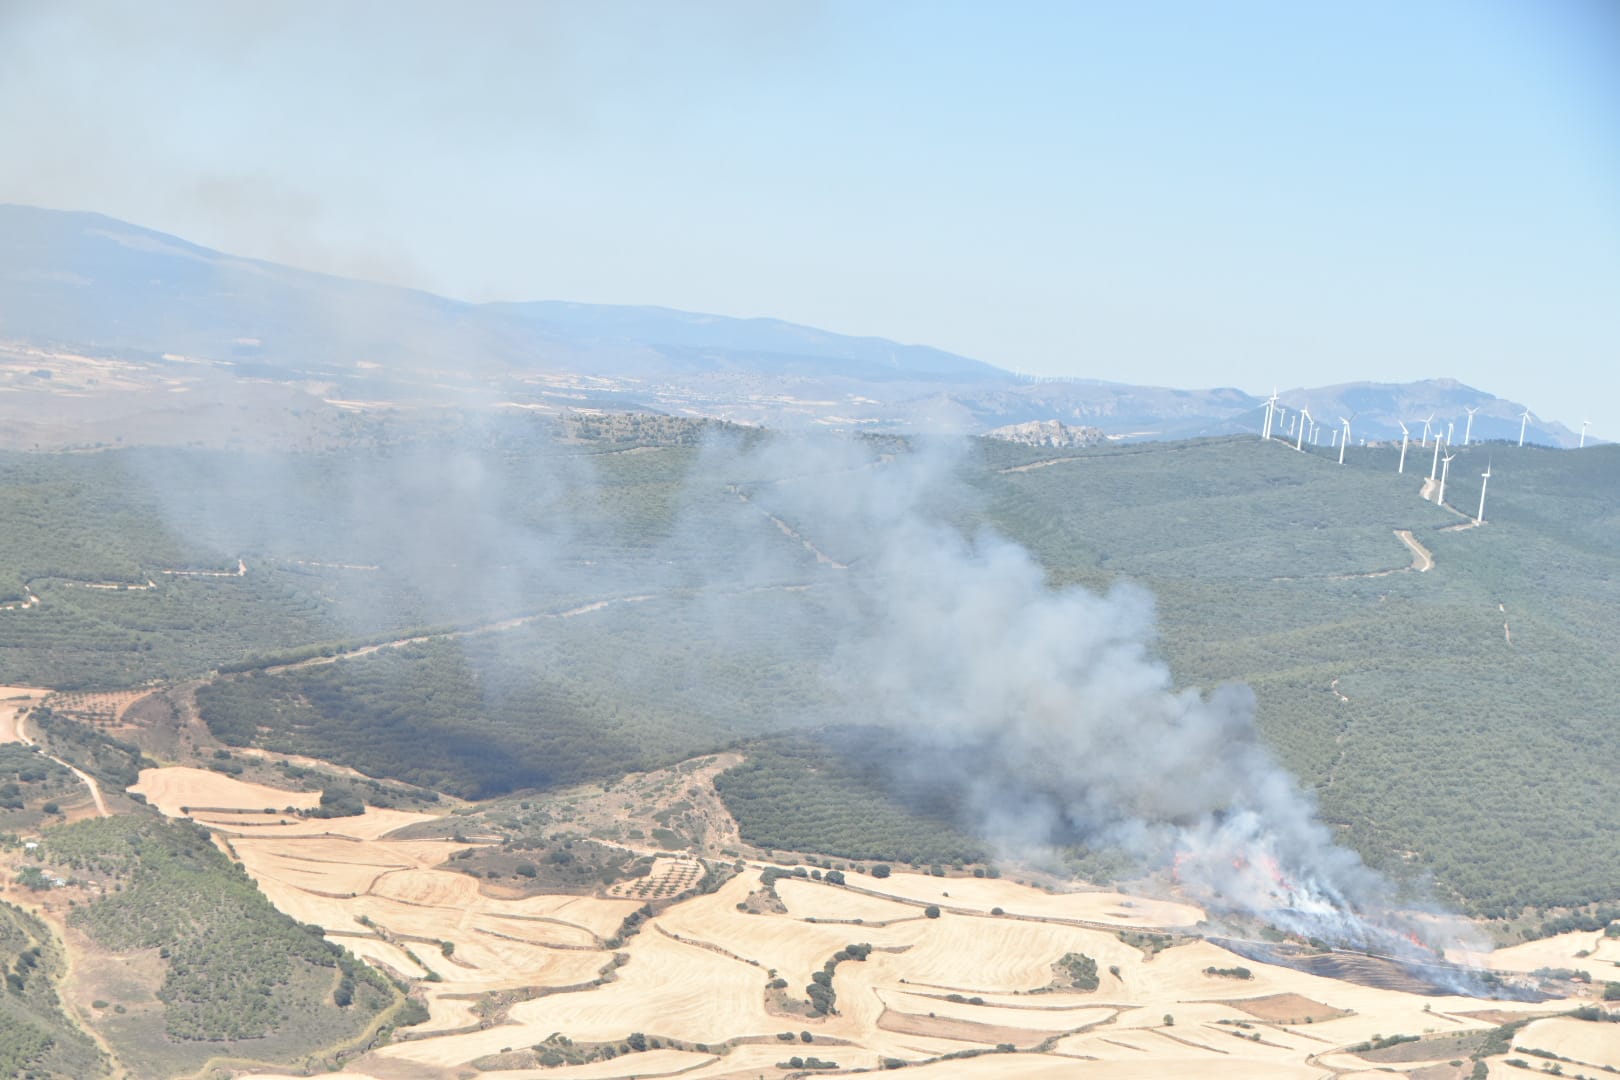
(1344, 441)
(1271, 412)
(1469, 429)
(1441, 501)
(1584, 425)
(1406, 437)
(1435, 466)
(1523, 421)
(1304, 415)
(1425, 443)
(1484, 481)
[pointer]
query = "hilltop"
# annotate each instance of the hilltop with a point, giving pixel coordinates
(111, 332)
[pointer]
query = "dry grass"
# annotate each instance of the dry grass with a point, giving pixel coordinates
(1592, 1044)
(516, 971)
(15, 703)
(178, 789)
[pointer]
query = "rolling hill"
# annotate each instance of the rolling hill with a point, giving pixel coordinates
(109, 330)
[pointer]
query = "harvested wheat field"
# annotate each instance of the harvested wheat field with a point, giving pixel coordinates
(715, 985)
(983, 895)
(1596, 1046)
(177, 790)
(694, 982)
(15, 704)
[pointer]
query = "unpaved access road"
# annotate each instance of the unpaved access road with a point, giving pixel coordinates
(1422, 560)
(15, 704)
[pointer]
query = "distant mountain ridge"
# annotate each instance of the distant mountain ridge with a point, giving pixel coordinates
(78, 290)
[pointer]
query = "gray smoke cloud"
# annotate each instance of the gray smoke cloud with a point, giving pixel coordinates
(1051, 711)
(1048, 712)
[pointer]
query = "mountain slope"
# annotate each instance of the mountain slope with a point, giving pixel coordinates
(80, 291)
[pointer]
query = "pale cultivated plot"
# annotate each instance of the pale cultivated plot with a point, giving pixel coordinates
(1589, 1043)
(445, 1014)
(332, 912)
(794, 948)
(431, 888)
(379, 951)
(652, 1063)
(15, 703)
(812, 900)
(974, 955)
(486, 963)
(697, 971)
(338, 849)
(177, 786)
(310, 872)
(985, 894)
(1047, 1013)
(759, 1059)
(1561, 952)
(537, 931)
(666, 989)
(244, 824)
(600, 917)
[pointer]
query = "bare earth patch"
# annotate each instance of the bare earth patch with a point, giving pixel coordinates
(1287, 1009)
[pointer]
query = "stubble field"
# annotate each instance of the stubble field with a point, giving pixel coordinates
(512, 983)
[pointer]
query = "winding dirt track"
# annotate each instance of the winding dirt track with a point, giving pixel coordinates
(14, 728)
(1422, 560)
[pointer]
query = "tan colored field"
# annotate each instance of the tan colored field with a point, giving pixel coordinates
(514, 972)
(1594, 1045)
(1563, 951)
(15, 703)
(176, 788)
(984, 894)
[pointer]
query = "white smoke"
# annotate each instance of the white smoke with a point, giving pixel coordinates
(1053, 714)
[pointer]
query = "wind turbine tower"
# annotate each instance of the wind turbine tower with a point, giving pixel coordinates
(1523, 421)
(1271, 413)
(1444, 469)
(1344, 441)
(1451, 425)
(1469, 428)
(1435, 466)
(1484, 482)
(1584, 425)
(1304, 418)
(1425, 442)
(1406, 437)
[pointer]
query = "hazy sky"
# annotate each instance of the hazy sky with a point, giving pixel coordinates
(1234, 193)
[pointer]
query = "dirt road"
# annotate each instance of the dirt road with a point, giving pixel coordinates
(15, 704)
(1422, 561)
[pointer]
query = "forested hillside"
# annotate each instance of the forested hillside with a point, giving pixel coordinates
(600, 604)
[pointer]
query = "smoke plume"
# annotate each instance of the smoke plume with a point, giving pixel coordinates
(1051, 712)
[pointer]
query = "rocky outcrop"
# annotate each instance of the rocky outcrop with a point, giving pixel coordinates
(1053, 433)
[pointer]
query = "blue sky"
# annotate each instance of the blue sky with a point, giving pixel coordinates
(1243, 193)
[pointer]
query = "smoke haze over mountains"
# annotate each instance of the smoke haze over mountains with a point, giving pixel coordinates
(1046, 713)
